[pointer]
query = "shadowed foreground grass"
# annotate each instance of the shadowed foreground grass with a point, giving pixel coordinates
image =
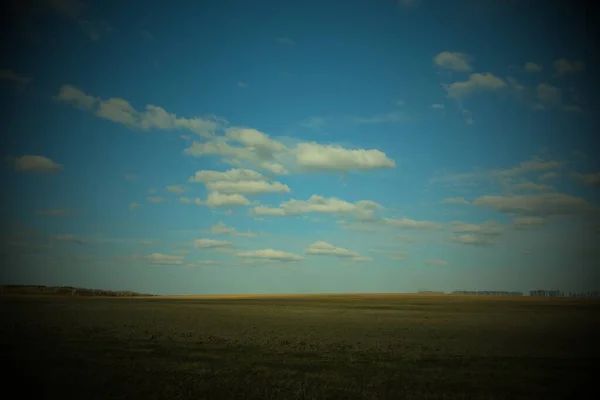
(320, 347)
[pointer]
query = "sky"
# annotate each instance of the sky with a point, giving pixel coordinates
(221, 146)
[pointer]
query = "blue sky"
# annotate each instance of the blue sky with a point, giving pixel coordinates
(300, 146)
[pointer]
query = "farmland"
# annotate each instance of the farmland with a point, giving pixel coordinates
(301, 347)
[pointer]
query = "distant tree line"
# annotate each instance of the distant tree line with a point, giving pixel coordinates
(558, 293)
(64, 291)
(488, 292)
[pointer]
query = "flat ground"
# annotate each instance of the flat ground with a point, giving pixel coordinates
(300, 347)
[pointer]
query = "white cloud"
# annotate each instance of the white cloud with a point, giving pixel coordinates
(270, 254)
(221, 229)
(539, 205)
(216, 199)
(361, 210)
(242, 84)
(120, 111)
(548, 94)
(438, 106)
(211, 243)
(528, 222)
(534, 165)
(250, 188)
(318, 157)
(476, 83)
(455, 61)
(285, 41)
(164, 259)
(32, 163)
(67, 237)
(564, 66)
(478, 234)
(177, 189)
(56, 212)
(532, 187)
(405, 223)
(186, 200)
(591, 179)
(436, 261)
(257, 149)
(9, 75)
(232, 175)
(532, 67)
(406, 238)
(392, 255)
(486, 228)
(456, 200)
(156, 199)
(323, 248)
(134, 205)
(549, 175)
(386, 118)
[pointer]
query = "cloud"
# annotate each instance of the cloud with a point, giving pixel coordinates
(390, 117)
(536, 164)
(232, 175)
(392, 255)
(528, 222)
(316, 157)
(549, 175)
(564, 66)
(532, 67)
(131, 177)
(548, 94)
(177, 189)
(453, 60)
(285, 41)
(409, 3)
(538, 205)
(313, 122)
(164, 259)
(476, 83)
(362, 210)
(203, 262)
(242, 84)
(326, 249)
(476, 234)
(406, 238)
(185, 200)
(134, 205)
(69, 238)
(270, 254)
(221, 229)
(591, 179)
(250, 188)
(56, 212)
(216, 199)
(9, 75)
(405, 223)
(532, 187)
(153, 117)
(243, 145)
(35, 164)
(156, 199)
(456, 200)
(435, 261)
(360, 227)
(211, 243)
(438, 106)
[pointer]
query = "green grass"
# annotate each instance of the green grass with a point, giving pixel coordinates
(354, 347)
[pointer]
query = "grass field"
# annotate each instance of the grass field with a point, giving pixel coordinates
(301, 347)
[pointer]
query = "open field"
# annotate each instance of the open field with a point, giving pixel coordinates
(301, 347)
